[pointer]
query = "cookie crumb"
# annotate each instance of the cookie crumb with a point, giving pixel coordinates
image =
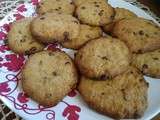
(66, 35)
(67, 63)
(83, 7)
(155, 58)
(141, 32)
(101, 13)
(54, 73)
(42, 18)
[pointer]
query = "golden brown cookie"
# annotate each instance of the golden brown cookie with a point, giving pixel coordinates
(86, 33)
(122, 97)
(62, 6)
(148, 63)
(48, 76)
(120, 13)
(20, 39)
(54, 27)
(139, 34)
(103, 58)
(95, 13)
(79, 2)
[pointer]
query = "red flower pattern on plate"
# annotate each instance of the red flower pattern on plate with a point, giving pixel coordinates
(4, 87)
(34, 2)
(14, 62)
(4, 48)
(71, 112)
(22, 97)
(7, 27)
(22, 8)
(2, 35)
(18, 16)
(72, 93)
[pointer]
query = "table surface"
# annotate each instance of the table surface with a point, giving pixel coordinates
(153, 5)
(5, 113)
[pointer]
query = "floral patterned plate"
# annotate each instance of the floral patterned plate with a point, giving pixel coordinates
(72, 107)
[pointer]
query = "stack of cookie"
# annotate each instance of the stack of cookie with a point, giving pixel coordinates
(114, 49)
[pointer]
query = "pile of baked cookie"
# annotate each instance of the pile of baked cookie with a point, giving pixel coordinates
(114, 49)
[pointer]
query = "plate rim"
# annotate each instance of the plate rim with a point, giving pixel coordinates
(23, 115)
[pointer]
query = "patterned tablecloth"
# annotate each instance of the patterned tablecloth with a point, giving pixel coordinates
(5, 7)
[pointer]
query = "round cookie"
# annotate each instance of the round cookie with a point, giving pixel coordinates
(148, 63)
(54, 27)
(103, 58)
(95, 13)
(48, 76)
(120, 13)
(62, 6)
(79, 2)
(86, 33)
(20, 39)
(122, 97)
(139, 34)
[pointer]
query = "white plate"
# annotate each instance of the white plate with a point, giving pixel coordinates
(72, 107)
